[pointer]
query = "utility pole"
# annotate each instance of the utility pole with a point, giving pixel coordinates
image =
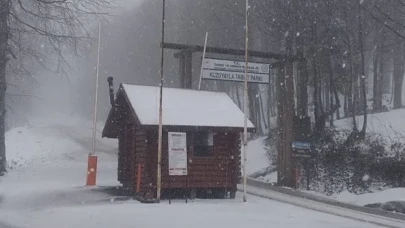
(245, 103)
(160, 133)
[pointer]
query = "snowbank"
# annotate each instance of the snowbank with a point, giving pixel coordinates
(270, 178)
(393, 194)
(390, 200)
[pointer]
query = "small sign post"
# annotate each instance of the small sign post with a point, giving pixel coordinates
(177, 155)
(301, 149)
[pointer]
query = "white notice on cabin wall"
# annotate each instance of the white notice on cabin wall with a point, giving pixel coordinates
(227, 70)
(177, 153)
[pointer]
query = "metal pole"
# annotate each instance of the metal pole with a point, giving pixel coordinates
(186, 187)
(160, 133)
(170, 191)
(245, 104)
(96, 95)
(202, 62)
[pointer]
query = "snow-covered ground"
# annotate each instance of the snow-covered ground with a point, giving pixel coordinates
(201, 213)
(270, 178)
(393, 194)
(256, 155)
(46, 189)
(390, 125)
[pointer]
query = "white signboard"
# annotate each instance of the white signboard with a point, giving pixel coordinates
(217, 69)
(177, 154)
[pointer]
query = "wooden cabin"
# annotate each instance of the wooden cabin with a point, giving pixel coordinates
(211, 120)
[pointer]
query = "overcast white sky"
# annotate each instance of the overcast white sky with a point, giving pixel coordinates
(127, 4)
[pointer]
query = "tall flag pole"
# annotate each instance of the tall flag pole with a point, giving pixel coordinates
(160, 134)
(245, 103)
(92, 159)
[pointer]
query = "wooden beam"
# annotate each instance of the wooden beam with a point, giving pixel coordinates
(183, 52)
(188, 69)
(217, 50)
(199, 128)
(182, 66)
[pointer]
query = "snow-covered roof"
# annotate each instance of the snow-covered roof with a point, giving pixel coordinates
(184, 107)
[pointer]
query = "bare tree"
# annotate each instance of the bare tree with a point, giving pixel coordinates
(42, 32)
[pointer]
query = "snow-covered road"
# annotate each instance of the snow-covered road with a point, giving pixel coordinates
(47, 191)
(328, 208)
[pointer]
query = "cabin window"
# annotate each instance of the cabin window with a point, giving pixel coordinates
(204, 144)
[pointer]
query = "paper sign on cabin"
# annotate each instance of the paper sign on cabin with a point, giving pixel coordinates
(177, 153)
(226, 70)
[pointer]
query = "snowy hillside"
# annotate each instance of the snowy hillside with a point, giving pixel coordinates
(390, 125)
(257, 157)
(47, 139)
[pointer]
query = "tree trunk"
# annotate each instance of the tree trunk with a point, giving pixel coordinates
(362, 77)
(315, 96)
(4, 35)
(320, 90)
(269, 104)
(332, 114)
(380, 77)
(376, 104)
(331, 101)
(253, 107)
(398, 75)
(346, 104)
(303, 87)
(351, 96)
(338, 114)
(238, 96)
(274, 101)
(327, 97)
(378, 71)
(262, 111)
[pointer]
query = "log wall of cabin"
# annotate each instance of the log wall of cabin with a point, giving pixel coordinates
(151, 164)
(132, 152)
(140, 158)
(222, 170)
(131, 149)
(139, 146)
(122, 118)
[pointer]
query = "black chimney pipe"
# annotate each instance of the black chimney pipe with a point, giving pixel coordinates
(111, 88)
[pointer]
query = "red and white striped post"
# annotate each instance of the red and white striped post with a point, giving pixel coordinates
(92, 158)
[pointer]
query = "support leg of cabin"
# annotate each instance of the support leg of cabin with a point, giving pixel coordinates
(149, 195)
(232, 195)
(193, 193)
